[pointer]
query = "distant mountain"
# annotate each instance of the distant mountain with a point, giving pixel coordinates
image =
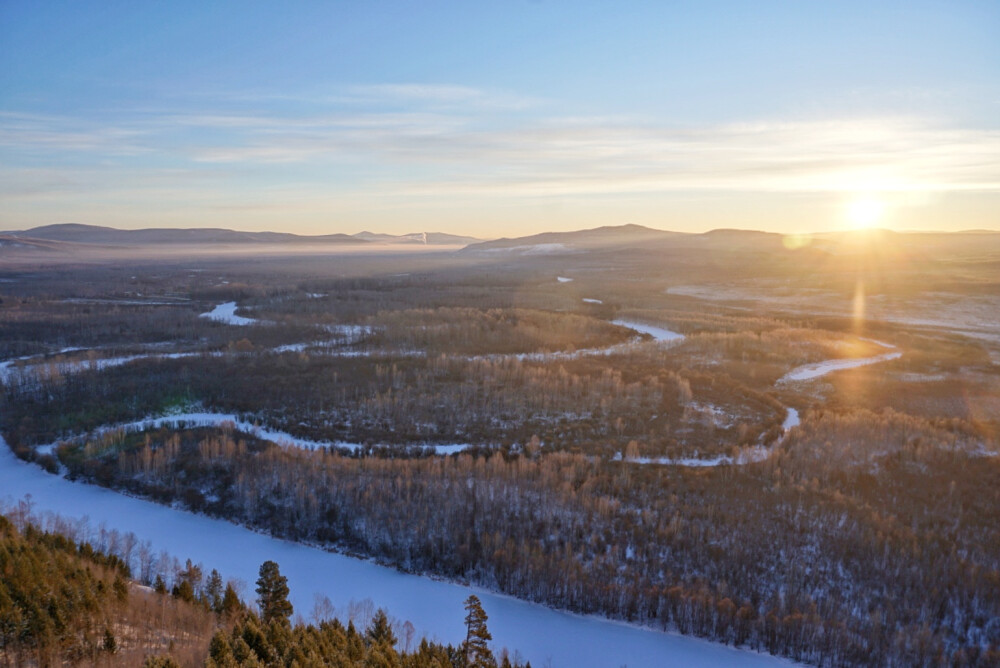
(109, 236)
(549, 243)
(94, 234)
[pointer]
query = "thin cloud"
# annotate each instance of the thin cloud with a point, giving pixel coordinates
(42, 133)
(428, 152)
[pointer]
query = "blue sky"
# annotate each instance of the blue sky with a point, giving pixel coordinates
(493, 118)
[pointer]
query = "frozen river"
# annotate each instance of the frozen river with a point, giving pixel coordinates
(540, 634)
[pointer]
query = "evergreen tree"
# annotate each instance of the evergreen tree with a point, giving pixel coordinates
(231, 603)
(184, 591)
(219, 649)
(475, 651)
(380, 631)
(213, 591)
(272, 590)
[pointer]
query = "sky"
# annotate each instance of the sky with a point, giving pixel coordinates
(500, 118)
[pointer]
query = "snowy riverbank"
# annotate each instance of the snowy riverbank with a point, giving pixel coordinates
(542, 635)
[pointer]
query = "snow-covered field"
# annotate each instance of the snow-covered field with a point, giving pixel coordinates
(542, 635)
(227, 313)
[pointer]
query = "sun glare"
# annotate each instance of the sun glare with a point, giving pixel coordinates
(865, 212)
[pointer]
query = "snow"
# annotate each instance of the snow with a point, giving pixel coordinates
(658, 333)
(227, 313)
(592, 301)
(352, 333)
(226, 419)
(207, 419)
(291, 348)
(746, 456)
(67, 367)
(791, 419)
(449, 449)
(542, 635)
(563, 279)
(810, 371)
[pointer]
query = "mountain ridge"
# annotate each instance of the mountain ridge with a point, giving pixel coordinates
(103, 235)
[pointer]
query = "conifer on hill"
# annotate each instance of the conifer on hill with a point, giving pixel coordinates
(272, 590)
(476, 652)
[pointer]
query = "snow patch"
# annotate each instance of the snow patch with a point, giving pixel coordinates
(227, 313)
(791, 419)
(745, 456)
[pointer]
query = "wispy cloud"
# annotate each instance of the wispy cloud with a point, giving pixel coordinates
(46, 133)
(425, 142)
(578, 157)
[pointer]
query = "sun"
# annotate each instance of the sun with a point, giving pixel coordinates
(865, 212)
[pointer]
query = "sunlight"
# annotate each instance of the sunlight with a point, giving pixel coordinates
(865, 212)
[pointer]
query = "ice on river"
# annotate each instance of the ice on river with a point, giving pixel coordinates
(227, 313)
(658, 333)
(810, 371)
(791, 419)
(542, 635)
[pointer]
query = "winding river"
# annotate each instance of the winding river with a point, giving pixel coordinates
(540, 634)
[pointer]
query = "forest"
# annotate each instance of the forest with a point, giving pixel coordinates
(693, 484)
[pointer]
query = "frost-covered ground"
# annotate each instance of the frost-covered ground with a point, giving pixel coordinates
(541, 635)
(972, 315)
(227, 313)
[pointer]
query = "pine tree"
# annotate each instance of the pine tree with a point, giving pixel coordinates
(272, 590)
(231, 603)
(475, 650)
(219, 649)
(213, 591)
(380, 631)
